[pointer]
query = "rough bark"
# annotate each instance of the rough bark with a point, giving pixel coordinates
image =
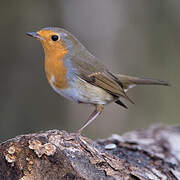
(150, 154)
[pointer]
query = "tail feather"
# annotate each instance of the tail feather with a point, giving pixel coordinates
(121, 103)
(129, 81)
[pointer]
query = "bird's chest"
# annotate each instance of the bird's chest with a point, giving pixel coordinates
(56, 72)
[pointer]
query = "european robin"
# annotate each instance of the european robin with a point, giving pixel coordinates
(73, 72)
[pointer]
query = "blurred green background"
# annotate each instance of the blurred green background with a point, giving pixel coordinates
(138, 37)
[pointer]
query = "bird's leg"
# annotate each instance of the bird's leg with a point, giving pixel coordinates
(98, 110)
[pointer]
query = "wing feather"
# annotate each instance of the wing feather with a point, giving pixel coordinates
(97, 74)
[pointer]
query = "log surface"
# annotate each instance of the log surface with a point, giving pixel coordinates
(151, 154)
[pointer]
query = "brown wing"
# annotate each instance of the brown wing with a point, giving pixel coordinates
(95, 73)
(106, 82)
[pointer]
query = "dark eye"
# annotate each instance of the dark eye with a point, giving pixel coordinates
(54, 37)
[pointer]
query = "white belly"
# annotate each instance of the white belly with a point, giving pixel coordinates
(81, 91)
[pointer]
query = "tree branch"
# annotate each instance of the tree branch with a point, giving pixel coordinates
(153, 153)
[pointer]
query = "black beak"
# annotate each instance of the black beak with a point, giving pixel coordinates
(34, 34)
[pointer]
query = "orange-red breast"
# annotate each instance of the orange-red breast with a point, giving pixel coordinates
(73, 72)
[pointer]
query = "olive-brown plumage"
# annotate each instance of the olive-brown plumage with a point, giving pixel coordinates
(76, 74)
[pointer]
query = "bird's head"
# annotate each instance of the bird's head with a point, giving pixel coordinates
(56, 40)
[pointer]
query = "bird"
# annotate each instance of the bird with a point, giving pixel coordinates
(73, 72)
